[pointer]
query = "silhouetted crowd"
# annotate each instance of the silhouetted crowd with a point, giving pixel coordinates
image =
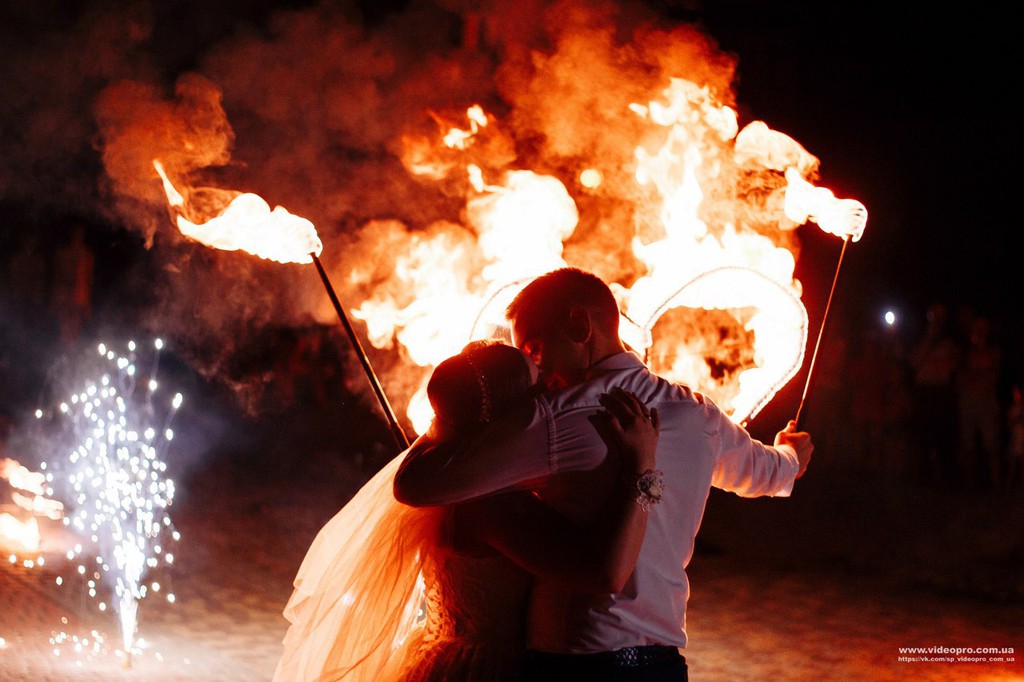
(943, 405)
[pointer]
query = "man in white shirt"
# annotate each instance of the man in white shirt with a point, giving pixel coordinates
(567, 321)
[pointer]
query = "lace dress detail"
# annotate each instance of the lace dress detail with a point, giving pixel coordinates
(474, 610)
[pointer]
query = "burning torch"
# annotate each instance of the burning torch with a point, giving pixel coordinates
(844, 218)
(248, 224)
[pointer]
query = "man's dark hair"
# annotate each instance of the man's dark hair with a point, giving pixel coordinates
(548, 300)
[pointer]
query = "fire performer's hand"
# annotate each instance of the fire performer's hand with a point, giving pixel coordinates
(799, 441)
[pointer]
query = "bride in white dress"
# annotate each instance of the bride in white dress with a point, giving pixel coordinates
(390, 592)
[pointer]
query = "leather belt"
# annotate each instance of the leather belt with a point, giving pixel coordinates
(629, 657)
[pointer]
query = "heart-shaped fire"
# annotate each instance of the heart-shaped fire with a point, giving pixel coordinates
(731, 333)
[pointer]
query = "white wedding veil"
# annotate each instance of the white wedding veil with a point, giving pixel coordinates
(358, 593)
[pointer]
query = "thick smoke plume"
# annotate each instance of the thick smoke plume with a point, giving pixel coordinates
(315, 109)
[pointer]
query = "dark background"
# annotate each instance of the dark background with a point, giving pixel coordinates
(909, 114)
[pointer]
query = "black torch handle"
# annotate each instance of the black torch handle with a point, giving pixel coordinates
(821, 334)
(396, 430)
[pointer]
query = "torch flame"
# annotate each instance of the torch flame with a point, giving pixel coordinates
(21, 478)
(30, 491)
(25, 534)
(248, 224)
(841, 217)
(29, 495)
(39, 505)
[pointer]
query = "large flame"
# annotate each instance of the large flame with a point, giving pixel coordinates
(449, 286)
(716, 304)
(707, 289)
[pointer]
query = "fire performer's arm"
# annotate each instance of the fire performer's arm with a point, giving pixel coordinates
(750, 468)
(799, 441)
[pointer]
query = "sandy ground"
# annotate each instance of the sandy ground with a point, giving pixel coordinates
(824, 586)
(755, 623)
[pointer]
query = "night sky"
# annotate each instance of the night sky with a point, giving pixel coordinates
(910, 114)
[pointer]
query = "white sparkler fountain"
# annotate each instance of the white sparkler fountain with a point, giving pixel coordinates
(116, 479)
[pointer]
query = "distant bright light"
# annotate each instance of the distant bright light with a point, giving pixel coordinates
(590, 178)
(890, 317)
